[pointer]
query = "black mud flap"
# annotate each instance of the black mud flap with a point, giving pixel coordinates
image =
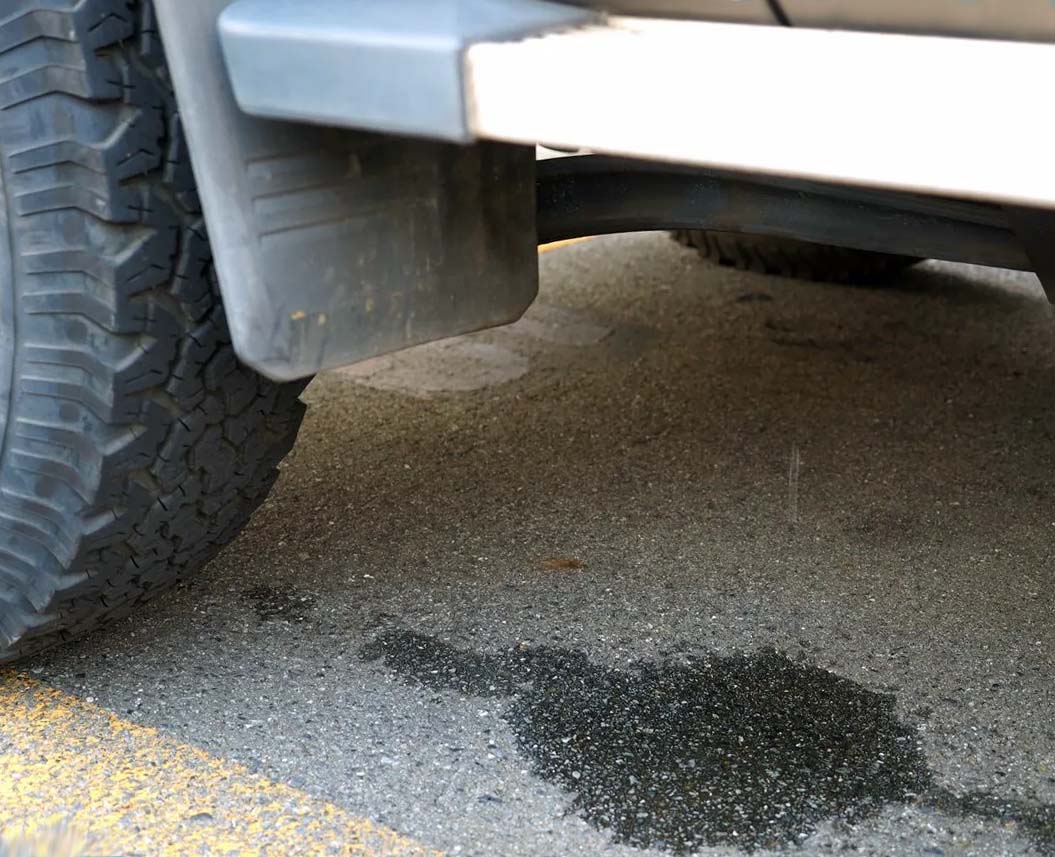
(333, 246)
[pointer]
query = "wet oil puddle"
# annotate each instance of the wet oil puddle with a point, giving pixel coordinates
(749, 750)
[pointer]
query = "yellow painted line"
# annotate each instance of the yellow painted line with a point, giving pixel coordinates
(74, 773)
(556, 245)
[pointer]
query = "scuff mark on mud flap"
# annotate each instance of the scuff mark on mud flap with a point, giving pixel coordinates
(751, 750)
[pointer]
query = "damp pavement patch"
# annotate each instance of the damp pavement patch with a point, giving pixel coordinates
(749, 750)
(479, 361)
(271, 602)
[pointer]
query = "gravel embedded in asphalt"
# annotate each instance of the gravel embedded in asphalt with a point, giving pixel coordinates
(623, 511)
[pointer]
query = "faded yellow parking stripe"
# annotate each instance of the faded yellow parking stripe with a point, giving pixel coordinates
(128, 789)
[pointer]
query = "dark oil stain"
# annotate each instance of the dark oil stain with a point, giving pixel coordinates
(270, 602)
(749, 750)
(1035, 819)
(888, 527)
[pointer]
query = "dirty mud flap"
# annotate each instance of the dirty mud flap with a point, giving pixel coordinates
(333, 246)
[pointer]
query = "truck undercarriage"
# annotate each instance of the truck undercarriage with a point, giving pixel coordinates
(334, 244)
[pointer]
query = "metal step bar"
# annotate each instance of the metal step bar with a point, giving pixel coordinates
(938, 115)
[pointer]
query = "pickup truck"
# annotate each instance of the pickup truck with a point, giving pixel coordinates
(206, 202)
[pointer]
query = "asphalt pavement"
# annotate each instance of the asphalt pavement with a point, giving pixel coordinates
(688, 561)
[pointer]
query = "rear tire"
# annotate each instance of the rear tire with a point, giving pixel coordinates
(134, 444)
(787, 257)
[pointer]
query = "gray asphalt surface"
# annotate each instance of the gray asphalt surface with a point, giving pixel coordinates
(707, 562)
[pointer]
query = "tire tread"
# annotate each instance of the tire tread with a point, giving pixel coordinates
(135, 444)
(787, 257)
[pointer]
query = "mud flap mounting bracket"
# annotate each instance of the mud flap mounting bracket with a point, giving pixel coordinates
(1036, 230)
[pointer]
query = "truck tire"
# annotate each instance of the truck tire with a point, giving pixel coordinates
(787, 257)
(134, 444)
